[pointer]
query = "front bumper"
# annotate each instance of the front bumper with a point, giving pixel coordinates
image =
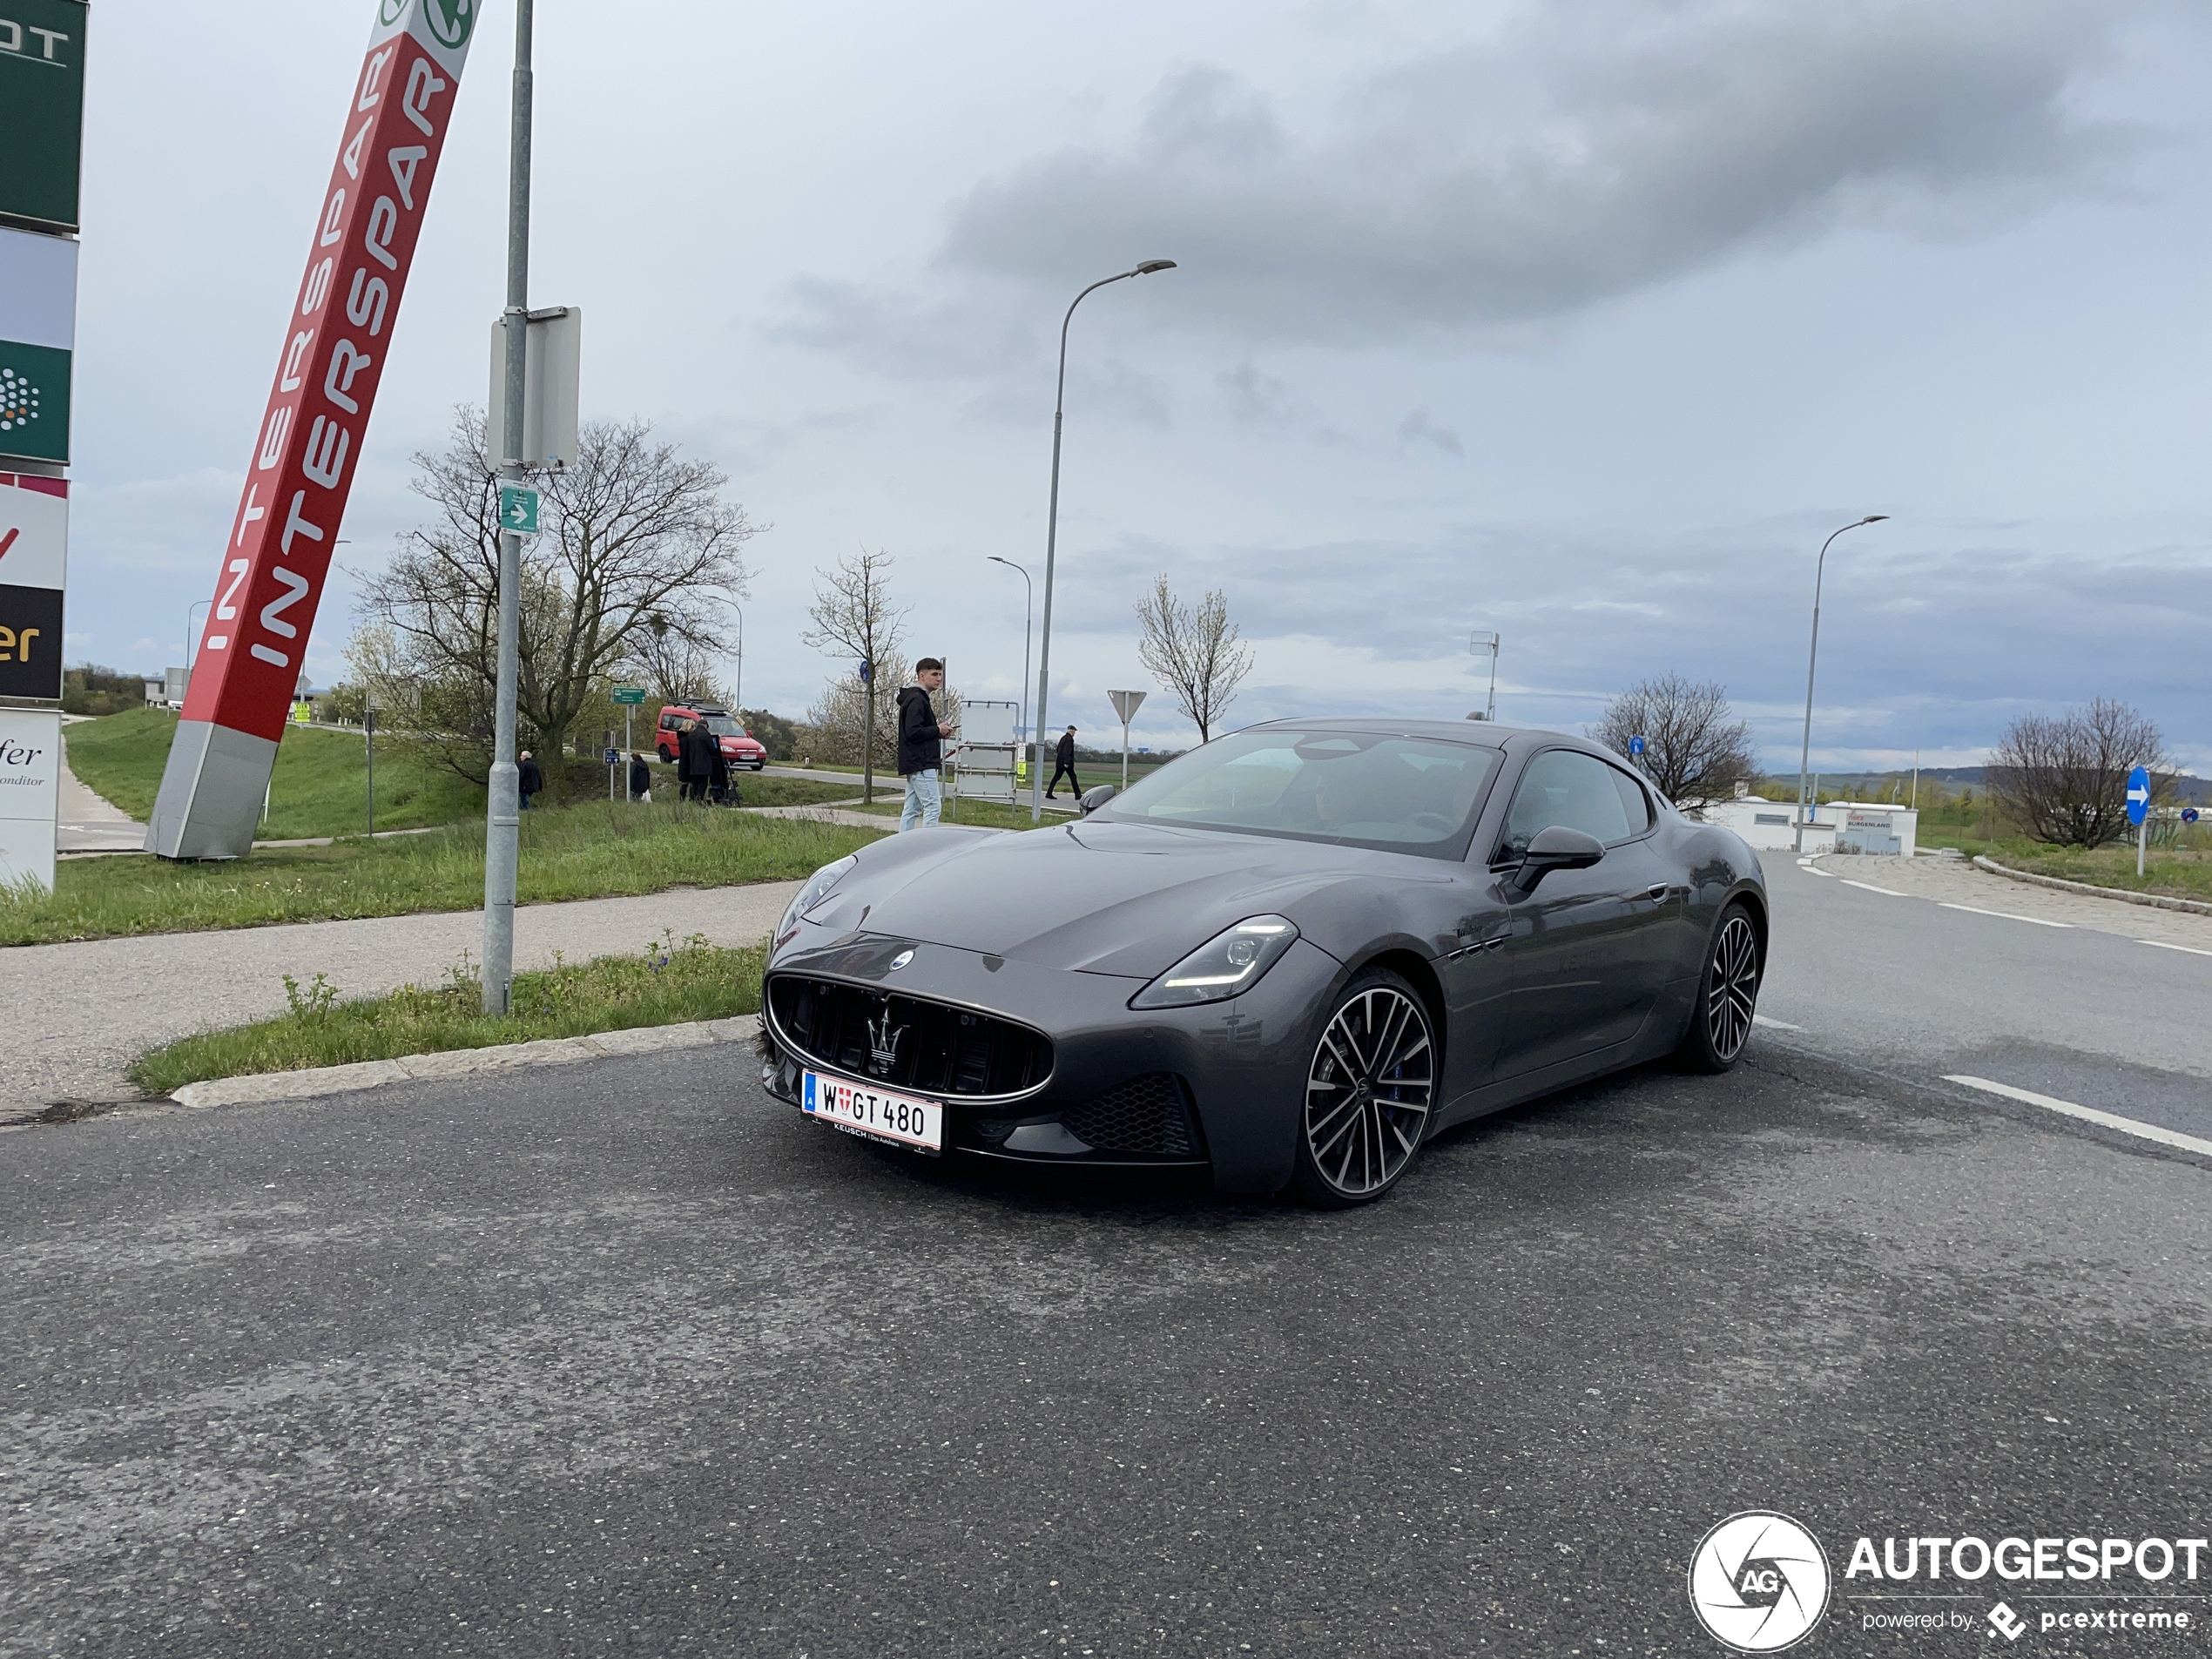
(1239, 1065)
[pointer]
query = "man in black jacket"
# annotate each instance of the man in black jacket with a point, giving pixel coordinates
(641, 778)
(1064, 758)
(922, 746)
(528, 779)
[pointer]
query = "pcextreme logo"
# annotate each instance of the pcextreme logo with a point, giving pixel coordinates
(451, 21)
(1758, 1581)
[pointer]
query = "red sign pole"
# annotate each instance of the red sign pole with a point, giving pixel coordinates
(310, 441)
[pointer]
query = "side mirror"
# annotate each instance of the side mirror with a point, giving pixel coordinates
(1094, 798)
(1555, 848)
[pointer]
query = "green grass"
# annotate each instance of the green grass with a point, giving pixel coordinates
(668, 984)
(320, 785)
(2175, 872)
(577, 853)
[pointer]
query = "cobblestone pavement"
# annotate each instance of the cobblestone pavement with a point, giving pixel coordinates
(1960, 882)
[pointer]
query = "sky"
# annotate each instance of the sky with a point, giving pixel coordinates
(1582, 321)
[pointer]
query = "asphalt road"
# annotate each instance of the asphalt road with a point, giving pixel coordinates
(627, 1358)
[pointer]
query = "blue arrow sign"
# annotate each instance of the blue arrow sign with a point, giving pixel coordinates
(1636, 748)
(2139, 794)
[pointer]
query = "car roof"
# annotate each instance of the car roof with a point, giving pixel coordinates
(1485, 734)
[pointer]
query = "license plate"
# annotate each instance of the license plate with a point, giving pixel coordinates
(856, 1109)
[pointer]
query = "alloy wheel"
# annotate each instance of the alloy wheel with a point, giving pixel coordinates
(1369, 1091)
(1733, 990)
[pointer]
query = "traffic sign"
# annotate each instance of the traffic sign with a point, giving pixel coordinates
(1126, 703)
(629, 694)
(2138, 794)
(2188, 814)
(518, 509)
(1636, 748)
(613, 756)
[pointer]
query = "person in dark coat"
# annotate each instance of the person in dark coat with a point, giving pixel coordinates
(1065, 757)
(693, 766)
(641, 778)
(717, 771)
(528, 780)
(922, 746)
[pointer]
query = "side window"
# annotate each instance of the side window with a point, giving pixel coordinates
(1634, 801)
(1561, 786)
(667, 721)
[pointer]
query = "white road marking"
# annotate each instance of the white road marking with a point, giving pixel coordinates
(2007, 915)
(1806, 864)
(2162, 945)
(2089, 1114)
(1779, 1025)
(1868, 887)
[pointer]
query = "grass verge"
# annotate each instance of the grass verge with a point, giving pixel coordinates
(669, 983)
(595, 852)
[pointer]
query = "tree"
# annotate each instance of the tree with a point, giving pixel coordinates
(1195, 653)
(671, 665)
(634, 532)
(1694, 751)
(853, 618)
(2064, 780)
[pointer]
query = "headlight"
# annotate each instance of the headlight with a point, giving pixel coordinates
(1227, 964)
(817, 889)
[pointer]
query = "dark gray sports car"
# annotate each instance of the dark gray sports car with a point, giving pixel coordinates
(1288, 957)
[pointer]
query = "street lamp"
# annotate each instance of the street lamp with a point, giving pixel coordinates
(1028, 607)
(1052, 534)
(740, 688)
(1812, 660)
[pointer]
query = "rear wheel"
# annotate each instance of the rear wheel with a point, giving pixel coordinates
(1727, 995)
(1370, 1089)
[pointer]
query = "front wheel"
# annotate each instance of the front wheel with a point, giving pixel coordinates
(1726, 994)
(1370, 1089)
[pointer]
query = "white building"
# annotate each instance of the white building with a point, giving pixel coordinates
(1837, 826)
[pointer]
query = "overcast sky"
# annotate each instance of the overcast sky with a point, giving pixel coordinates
(1581, 321)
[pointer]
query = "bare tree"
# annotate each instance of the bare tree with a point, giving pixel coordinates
(674, 666)
(853, 618)
(634, 532)
(1196, 652)
(2064, 780)
(1694, 752)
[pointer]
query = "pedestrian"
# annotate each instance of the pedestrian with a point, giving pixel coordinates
(1065, 756)
(718, 771)
(527, 778)
(693, 766)
(922, 746)
(641, 778)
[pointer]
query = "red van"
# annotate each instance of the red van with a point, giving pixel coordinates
(738, 749)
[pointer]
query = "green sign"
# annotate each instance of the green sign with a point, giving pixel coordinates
(34, 402)
(41, 89)
(451, 21)
(518, 509)
(629, 694)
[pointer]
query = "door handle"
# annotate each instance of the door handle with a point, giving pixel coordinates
(1657, 892)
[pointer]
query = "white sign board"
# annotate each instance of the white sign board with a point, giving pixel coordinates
(987, 723)
(552, 373)
(39, 289)
(30, 793)
(34, 531)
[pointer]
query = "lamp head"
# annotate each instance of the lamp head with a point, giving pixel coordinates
(1150, 266)
(1873, 518)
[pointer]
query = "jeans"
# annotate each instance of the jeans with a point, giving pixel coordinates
(925, 801)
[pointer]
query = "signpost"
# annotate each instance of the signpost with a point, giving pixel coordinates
(518, 509)
(34, 564)
(313, 427)
(1635, 752)
(1126, 703)
(2139, 811)
(630, 697)
(1482, 644)
(41, 88)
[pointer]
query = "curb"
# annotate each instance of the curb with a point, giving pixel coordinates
(2155, 900)
(463, 1062)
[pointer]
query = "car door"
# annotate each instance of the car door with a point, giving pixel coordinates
(1589, 949)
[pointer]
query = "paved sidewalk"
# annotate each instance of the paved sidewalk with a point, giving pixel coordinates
(78, 1013)
(1957, 881)
(89, 823)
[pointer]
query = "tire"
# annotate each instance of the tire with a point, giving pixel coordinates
(1728, 994)
(1369, 1094)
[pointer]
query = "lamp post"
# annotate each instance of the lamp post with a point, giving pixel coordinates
(1052, 534)
(1029, 609)
(1812, 661)
(740, 687)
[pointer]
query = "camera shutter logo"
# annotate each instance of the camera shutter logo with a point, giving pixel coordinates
(1758, 1581)
(18, 401)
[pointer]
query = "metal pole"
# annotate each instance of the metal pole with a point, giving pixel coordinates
(2142, 840)
(368, 731)
(502, 826)
(1124, 755)
(739, 692)
(1052, 536)
(1813, 659)
(629, 746)
(1028, 616)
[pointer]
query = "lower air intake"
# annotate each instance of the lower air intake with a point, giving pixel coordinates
(1150, 1114)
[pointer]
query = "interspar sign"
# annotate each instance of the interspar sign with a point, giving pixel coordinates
(336, 340)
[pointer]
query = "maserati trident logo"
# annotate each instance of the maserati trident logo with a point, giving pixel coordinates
(900, 960)
(883, 1043)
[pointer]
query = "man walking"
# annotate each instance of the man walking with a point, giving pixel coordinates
(1065, 756)
(922, 746)
(528, 779)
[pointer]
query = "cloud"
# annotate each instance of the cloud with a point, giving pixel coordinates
(1587, 149)
(1417, 428)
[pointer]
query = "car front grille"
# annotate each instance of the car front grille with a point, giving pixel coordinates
(907, 1041)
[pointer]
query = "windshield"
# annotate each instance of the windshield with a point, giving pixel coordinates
(1400, 794)
(723, 726)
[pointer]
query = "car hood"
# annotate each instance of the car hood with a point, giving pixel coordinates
(1102, 897)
